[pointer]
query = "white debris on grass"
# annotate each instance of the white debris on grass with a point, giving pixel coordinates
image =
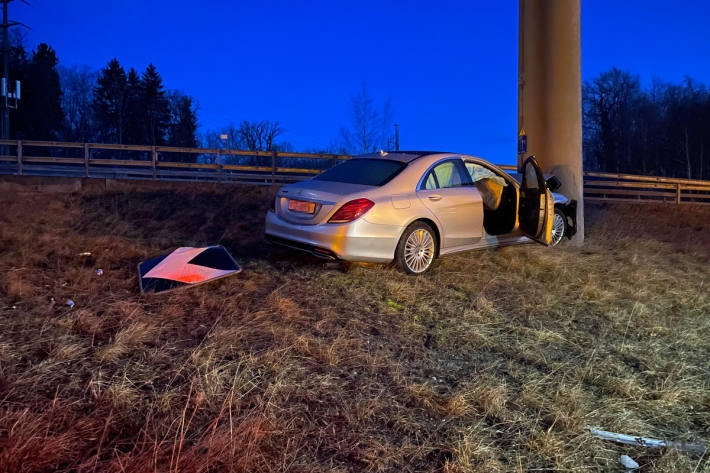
(628, 462)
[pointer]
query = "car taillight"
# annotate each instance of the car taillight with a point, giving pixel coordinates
(351, 210)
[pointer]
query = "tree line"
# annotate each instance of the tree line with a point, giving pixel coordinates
(627, 128)
(658, 130)
(111, 105)
(119, 105)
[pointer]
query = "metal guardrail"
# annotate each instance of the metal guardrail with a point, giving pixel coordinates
(112, 161)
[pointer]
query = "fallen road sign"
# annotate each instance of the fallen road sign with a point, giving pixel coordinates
(185, 267)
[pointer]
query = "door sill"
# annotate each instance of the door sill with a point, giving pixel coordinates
(489, 241)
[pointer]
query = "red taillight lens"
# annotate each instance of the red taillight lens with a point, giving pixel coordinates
(351, 210)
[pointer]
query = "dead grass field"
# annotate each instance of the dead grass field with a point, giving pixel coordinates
(495, 361)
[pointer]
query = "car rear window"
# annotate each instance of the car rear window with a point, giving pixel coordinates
(369, 172)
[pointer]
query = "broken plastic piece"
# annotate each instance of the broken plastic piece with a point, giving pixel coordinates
(70, 303)
(628, 462)
(648, 442)
(185, 267)
(99, 272)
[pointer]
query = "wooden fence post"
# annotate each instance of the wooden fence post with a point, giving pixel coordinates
(86, 159)
(155, 160)
(677, 193)
(19, 157)
(219, 166)
(273, 167)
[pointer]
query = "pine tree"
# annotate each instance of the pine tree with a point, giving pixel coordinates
(135, 113)
(110, 102)
(156, 107)
(183, 121)
(40, 115)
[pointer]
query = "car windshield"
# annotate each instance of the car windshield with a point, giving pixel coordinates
(369, 172)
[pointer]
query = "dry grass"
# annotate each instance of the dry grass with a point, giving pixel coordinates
(495, 361)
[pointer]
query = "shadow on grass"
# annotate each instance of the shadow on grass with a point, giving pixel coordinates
(165, 220)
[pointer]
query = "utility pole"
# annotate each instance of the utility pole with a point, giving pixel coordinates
(5, 71)
(5, 104)
(396, 137)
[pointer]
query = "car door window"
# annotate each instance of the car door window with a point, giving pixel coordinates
(430, 182)
(450, 174)
(447, 175)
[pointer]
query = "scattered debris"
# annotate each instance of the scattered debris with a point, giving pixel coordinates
(628, 462)
(99, 272)
(185, 267)
(70, 303)
(648, 442)
(85, 253)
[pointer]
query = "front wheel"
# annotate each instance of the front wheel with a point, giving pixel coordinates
(416, 249)
(559, 227)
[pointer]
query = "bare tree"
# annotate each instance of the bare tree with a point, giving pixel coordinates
(369, 129)
(259, 135)
(78, 84)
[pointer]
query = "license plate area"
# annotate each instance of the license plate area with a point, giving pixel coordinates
(301, 206)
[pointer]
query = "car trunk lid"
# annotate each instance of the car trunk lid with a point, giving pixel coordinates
(325, 196)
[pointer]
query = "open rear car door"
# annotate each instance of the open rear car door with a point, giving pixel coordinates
(537, 206)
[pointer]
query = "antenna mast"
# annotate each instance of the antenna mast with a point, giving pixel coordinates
(7, 95)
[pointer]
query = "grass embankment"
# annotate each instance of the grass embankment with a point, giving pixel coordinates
(494, 361)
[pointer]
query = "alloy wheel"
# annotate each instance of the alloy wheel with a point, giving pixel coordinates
(419, 250)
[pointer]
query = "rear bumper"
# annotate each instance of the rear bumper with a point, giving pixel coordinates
(356, 241)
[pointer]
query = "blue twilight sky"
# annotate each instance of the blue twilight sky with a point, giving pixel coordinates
(449, 66)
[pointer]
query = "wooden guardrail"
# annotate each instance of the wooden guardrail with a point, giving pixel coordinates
(113, 161)
(51, 158)
(630, 187)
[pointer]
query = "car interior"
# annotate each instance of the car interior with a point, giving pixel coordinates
(499, 199)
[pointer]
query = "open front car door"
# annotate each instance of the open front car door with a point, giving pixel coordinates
(537, 206)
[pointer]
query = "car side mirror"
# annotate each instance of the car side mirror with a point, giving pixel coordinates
(553, 183)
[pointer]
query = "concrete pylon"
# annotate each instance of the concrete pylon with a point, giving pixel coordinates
(550, 93)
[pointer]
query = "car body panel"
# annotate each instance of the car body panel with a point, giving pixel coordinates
(458, 212)
(356, 241)
(536, 208)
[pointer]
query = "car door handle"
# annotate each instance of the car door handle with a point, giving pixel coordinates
(434, 197)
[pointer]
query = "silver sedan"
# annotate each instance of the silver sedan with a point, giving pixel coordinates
(410, 207)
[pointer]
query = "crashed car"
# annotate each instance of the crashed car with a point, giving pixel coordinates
(411, 207)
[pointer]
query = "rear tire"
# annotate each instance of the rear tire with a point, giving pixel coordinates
(416, 249)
